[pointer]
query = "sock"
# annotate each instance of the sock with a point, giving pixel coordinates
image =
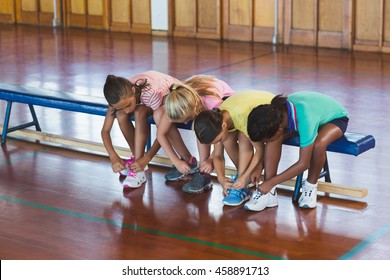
(310, 186)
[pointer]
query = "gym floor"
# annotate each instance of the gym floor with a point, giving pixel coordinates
(62, 203)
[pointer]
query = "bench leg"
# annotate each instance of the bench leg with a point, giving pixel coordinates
(6, 122)
(297, 188)
(149, 140)
(35, 119)
(7, 129)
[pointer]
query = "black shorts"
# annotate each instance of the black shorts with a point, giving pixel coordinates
(342, 123)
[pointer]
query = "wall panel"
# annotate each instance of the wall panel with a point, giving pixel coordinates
(27, 12)
(238, 20)
(120, 15)
(141, 16)
(7, 11)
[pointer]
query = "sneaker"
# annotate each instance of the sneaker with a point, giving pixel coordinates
(200, 182)
(236, 197)
(261, 201)
(308, 197)
(134, 179)
(175, 175)
(128, 162)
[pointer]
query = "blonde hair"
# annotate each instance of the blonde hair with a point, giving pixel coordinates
(181, 102)
(203, 84)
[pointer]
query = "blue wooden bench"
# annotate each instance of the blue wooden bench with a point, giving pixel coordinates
(351, 143)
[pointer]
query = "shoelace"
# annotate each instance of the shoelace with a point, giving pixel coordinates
(257, 195)
(306, 191)
(132, 173)
(235, 192)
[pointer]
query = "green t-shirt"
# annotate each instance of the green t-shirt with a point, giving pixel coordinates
(314, 109)
(240, 104)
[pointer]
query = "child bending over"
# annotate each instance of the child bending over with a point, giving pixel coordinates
(226, 127)
(184, 102)
(317, 118)
(141, 96)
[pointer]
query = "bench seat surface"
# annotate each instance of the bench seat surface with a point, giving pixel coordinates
(351, 143)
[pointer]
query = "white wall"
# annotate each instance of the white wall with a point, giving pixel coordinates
(160, 15)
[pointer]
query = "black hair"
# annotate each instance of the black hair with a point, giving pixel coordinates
(264, 120)
(207, 125)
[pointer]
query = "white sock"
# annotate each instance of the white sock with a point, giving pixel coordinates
(310, 186)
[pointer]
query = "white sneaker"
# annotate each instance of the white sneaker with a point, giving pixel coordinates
(260, 201)
(134, 180)
(308, 197)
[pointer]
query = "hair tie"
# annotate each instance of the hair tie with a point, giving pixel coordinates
(173, 87)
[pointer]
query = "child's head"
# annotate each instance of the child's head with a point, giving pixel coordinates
(121, 94)
(203, 84)
(208, 125)
(264, 120)
(183, 103)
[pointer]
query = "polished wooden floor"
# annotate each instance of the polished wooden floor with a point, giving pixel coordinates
(58, 203)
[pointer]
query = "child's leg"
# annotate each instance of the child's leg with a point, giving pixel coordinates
(141, 115)
(327, 133)
(127, 128)
(231, 147)
(272, 154)
(245, 153)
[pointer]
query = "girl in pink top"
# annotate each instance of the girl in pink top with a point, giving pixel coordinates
(140, 96)
(182, 104)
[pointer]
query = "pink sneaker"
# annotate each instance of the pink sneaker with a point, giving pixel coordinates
(128, 162)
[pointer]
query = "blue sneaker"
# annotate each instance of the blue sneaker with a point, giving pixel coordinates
(236, 197)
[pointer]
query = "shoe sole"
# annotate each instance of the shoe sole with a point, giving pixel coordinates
(258, 210)
(305, 206)
(236, 204)
(125, 186)
(205, 188)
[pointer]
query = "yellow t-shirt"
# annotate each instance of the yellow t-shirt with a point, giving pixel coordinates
(241, 104)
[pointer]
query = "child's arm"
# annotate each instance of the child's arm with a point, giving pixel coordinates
(300, 166)
(254, 162)
(116, 162)
(205, 160)
(162, 136)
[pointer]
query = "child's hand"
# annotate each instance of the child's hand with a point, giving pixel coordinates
(118, 166)
(207, 166)
(139, 165)
(226, 184)
(240, 183)
(182, 166)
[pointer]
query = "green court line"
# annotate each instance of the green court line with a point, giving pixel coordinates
(141, 229)
(29, 155)
(366, 242)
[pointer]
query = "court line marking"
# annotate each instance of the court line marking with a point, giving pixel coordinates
(366, 242)
(141, 229)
